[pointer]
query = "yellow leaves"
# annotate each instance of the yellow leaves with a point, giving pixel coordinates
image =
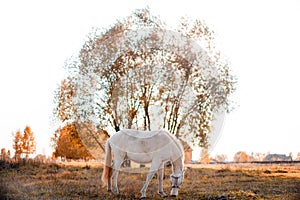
(24, 142)
(28, 143)
(69, 144)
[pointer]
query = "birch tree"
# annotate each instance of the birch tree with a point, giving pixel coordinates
(139, 64)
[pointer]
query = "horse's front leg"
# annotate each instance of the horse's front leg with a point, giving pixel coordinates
(153, 169)
(144, 189)
(160, 181)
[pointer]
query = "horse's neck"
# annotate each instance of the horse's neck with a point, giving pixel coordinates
(177, 157)
(178, 165)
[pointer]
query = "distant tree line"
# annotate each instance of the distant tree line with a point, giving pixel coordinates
(243, 157)
(5, 155)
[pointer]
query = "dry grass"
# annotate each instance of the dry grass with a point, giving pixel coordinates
(56, 181)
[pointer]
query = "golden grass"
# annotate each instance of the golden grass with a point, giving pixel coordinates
(291, 170)
(83, 181)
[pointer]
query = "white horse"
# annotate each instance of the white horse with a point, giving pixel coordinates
(143, 147)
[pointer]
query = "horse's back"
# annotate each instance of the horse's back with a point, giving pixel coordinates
(140, 141)
(141, 134)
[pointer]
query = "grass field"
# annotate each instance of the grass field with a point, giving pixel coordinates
(215, 181)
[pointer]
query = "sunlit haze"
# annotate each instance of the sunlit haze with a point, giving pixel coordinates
(259, 38)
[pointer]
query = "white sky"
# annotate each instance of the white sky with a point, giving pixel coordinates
(260, 38)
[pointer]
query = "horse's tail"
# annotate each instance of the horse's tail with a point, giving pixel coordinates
(107, 171)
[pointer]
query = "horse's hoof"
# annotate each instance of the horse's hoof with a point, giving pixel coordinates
(173, 195)
(143, 198)
(163, 195)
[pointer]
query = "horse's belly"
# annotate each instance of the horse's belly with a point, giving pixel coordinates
(140, 158)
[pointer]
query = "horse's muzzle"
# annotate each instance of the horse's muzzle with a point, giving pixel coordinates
(174, 192)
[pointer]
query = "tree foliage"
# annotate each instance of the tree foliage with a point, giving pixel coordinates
(68, 143)
(5, 155)
(28, 143)
(64, 107)
(141, 72)
(241, 156)
(24, 143)
(91, 136)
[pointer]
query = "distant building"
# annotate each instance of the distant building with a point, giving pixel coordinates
(277, 157)
(298, 157)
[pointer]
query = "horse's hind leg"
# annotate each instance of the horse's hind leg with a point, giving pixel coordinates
(110, 170)
(117, 164)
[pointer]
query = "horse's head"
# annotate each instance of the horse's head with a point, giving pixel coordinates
(176, 182)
